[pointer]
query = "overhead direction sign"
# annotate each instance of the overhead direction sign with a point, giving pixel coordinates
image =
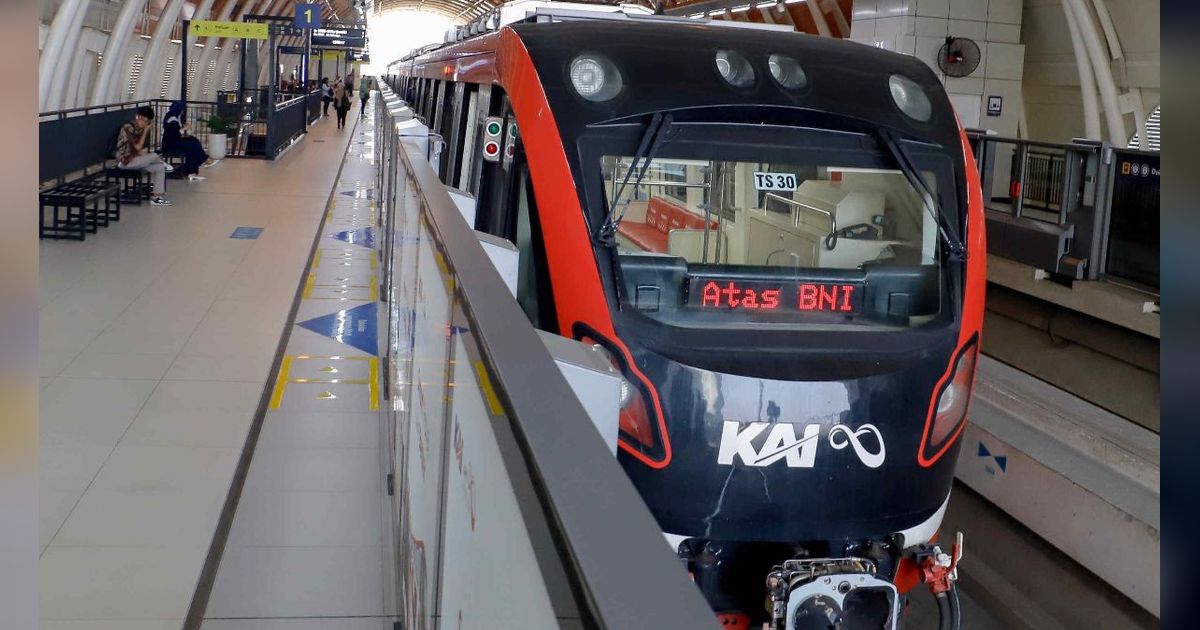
(241, 30)
(339, 37)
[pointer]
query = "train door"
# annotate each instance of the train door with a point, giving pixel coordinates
(453, 133)
(507, 208)
(535, 294)
(470, 131)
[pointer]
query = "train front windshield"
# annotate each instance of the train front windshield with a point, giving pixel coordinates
(808, 233)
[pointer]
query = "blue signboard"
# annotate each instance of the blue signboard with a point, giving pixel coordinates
(356, 327)
(308, 16)
(246, 232)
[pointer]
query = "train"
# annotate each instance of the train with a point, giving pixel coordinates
(777, 241)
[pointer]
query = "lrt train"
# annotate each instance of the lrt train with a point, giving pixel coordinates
(778, 241)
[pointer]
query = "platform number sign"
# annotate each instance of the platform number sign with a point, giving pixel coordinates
(308, 16)
(775, 181)
(493, 126)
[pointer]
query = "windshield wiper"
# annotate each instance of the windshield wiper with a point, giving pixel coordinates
(932, 201)
(651, 140)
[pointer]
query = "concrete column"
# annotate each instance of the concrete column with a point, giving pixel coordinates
(206, 57)
(52, 51)
(66, 59)
(1087, 80)
(114, 51)
(179, 71)
(150, 81)
(227, 45)
(1104, 78)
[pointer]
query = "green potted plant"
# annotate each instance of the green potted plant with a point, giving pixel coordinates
(219, 136)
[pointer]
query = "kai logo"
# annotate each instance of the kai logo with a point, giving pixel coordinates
(781, 443)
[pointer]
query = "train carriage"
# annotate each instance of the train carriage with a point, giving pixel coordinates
(777, 240)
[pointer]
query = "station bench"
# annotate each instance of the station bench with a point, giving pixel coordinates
(662, 216)
(84, 188)
(73, 210)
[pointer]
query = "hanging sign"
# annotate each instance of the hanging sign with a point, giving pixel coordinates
(340, 37)
(308, 16)
(240, 30)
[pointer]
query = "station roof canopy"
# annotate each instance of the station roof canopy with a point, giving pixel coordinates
(830, 18)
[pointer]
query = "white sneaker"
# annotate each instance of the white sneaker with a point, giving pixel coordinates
(160, 201)
(169, 168)
(196, 178)
(209, 164)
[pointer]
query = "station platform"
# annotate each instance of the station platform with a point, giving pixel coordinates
(157, 337)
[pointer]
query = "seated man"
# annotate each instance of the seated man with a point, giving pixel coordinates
(133, 155)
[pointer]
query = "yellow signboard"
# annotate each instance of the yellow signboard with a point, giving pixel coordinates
(331, 55)
(241, 30)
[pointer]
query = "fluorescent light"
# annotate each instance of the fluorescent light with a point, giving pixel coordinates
(741, 9)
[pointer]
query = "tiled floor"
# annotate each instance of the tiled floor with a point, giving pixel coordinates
(306, 546)
(157, 335)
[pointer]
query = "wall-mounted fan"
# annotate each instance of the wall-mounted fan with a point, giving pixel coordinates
(958, 57)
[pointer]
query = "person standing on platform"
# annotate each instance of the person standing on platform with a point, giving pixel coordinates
(177, 139)
(341, 103)
(364, 93)
(326, 96)
(132, 153)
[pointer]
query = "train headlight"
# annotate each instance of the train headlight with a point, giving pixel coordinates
(950, 408)
(787, 72)
(910, 98)
(734, 68)
(594, 77)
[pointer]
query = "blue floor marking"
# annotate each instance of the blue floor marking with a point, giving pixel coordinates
(246, 232)
(355, 327)
(361, 236)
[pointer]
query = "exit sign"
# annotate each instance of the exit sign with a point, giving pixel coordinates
(308, 16)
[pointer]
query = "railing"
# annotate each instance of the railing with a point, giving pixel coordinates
(75, 141)
(288, 121)
(1083, 210)
(314, 106)
(510, 510)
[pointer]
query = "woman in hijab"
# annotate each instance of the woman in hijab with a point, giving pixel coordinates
(178, 140)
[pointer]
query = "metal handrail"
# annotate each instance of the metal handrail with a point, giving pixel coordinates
(671, 184)
(800, 204)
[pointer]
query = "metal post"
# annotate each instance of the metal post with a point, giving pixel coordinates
(1023, 156)
(304, 80)
(272, 84)
(183, 82)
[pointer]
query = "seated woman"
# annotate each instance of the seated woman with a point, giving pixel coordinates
(177, 140)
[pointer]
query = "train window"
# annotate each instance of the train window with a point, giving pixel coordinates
(771, 214)
(797, 234)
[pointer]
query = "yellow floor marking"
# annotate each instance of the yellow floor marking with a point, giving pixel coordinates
(489, 393)
(285, 368)
(281, 382)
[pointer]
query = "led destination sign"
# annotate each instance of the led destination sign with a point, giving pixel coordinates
(713, 294)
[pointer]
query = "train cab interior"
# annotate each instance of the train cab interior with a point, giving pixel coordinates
(740, 213)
